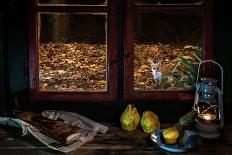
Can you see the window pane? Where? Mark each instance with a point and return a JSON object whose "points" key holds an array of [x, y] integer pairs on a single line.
{"points": [[73, 2], [169, 2], [167, 50], [72, 52]]}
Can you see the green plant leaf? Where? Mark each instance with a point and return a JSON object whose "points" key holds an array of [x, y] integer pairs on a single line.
{"points": [[183, 83], [185, 63], [191, 75], [197, 51]]}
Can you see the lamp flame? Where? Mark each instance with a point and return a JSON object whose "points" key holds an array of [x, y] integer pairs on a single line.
{"points": [[208, 117]]}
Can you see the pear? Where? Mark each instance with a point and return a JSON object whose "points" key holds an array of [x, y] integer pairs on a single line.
{"points": [[130, 118], [170, 135], [150, 122]]}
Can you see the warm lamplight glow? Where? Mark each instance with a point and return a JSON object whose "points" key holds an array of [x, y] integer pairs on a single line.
{"points": [[208, 117]]}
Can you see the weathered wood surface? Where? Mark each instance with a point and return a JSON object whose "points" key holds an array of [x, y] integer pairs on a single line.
{"points": [[115, 141]]}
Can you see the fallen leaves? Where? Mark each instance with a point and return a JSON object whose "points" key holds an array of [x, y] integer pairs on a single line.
{"points": [[178, 66], [72, 67], [82, 67]]}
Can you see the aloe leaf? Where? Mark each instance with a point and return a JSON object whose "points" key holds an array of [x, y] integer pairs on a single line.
{"points": [[183, 83], [197, 51], [197, 57], [187, 57], [191, 75], [185, 63]]}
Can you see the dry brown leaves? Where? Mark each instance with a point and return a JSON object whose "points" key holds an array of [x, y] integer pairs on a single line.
{"points": [[144, 53], [82, 67], [72, 67]]}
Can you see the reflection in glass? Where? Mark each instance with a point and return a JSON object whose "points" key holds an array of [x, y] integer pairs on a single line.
{"points": [[72, 52], [196, 2], [168, 52], [72, 2]]}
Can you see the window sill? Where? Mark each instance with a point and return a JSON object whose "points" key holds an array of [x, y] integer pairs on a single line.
{"points": [[115, 141]]}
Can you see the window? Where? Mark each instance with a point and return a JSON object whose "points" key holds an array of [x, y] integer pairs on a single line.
{"points": [[72, 44], [165, 40]]}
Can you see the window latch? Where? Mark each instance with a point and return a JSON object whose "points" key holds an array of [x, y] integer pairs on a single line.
{"points": [[127, 55]]}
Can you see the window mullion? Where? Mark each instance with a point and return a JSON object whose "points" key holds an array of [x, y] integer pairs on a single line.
{"points": [[198, 13]]}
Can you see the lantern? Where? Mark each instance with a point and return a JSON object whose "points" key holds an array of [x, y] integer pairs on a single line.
{"points": [[209, 105]]}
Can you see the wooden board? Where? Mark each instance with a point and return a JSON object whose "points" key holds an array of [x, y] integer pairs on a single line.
{"points": [[115, 141]]}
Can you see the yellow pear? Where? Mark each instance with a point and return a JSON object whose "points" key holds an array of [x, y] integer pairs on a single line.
{"points": [[170, 135], [130, 118], [150, 122]]}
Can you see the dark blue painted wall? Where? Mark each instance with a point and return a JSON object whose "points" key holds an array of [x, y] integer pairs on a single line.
{"points": [[16, 17]]}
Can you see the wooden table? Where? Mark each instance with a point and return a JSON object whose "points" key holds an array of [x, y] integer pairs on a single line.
{"points": [[115, 141]]}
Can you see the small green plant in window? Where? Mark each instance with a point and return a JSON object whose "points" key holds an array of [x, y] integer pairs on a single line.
{"points": [[179, 72]]}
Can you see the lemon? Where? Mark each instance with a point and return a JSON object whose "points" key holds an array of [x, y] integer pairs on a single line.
{"points": [[170, 135]]}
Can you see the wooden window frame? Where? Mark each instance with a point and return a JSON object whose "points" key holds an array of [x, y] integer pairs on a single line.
{"points": [[131, 9], [112, 26]]}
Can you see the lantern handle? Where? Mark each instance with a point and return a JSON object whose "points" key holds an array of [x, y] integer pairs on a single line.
{"points": [[218, 66]]}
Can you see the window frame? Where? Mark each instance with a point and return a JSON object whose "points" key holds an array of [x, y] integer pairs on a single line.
{"points": [[130, 10], [112, 28]]}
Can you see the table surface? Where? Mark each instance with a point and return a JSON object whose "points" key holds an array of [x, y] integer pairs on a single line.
{"points": [[115, 141]]}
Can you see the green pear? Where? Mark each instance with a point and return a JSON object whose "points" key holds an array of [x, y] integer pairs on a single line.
{"points": [[150, 122], [130, 118]]}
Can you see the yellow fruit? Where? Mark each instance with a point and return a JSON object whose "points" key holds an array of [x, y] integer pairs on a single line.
{"points": [[130, 118], [170, 135], [150, 122]]}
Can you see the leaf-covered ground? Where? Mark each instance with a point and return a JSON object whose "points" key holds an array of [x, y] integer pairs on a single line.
{"points": [[178, 66], [82, 67], [72, 67]]}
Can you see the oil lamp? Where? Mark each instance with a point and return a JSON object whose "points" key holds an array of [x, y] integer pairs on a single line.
{"points": [[208, 104]]}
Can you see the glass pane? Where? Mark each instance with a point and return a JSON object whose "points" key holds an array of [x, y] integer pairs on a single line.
{"points": [[167, 50], [72, 52], [197, 2], [73, 2]]}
